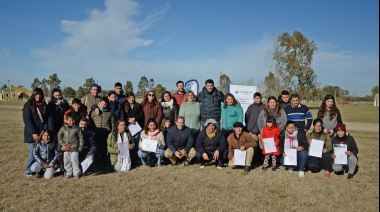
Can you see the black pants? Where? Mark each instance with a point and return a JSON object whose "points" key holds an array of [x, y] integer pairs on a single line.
{"points": [[316, 164]]}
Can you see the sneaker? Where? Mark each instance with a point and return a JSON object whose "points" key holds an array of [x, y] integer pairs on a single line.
{"points": [[68, 176], [202, 166], [290, 169], [264, 169], [28, 174], [39, 175], [247, 169], [327, 174], [219, 167], [185, 163], [301, 174], [339, 173], [350, 176], [76, 177], [273, 169]]}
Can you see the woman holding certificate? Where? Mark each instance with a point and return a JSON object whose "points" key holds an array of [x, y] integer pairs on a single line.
{"points": [[320, 143], [345, 150], [329, 114], [152, 144]]}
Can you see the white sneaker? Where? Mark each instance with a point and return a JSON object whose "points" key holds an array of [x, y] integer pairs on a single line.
{"points": [[301, 174], [290, 169], [219, 167], [202, 166]]}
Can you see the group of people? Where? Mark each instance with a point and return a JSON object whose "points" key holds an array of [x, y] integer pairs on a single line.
{"points": [[207, 126]]}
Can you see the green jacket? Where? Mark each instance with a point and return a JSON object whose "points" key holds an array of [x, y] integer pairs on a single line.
{"points": [[71, 135], [323, 137], [112, 146], [102, 123]]}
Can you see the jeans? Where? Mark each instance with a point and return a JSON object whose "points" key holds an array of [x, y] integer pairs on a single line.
{"points": [[159, 155], [49, 172], [30, 161], [302, 157]]}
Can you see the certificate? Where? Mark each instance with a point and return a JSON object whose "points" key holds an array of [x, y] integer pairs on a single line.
{"points": [[291, 157], [239, 157], [134, 128], [316, 147], [86, 163], [149, 145], [269, 145], [124, 151], [340, 153]]}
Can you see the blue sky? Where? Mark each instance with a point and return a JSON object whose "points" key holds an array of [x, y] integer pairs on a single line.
{"points": [[120, 40]]}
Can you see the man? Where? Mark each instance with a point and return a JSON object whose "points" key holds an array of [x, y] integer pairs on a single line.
{"points": [[283, 99], [120, 97], [180, 143], [251, 118], [300, 114], [179, 95], [243, 141], [89, 146], [210, 99], [92, 98], [211, 145]]}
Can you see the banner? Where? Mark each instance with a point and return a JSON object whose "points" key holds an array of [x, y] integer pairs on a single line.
{"points": [[192, 85], [243, 94]]}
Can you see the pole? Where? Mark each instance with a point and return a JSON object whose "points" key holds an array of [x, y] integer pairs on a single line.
{"points": [[9, 91]]}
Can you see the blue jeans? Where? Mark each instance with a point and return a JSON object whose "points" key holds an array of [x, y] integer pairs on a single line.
{"points": [[302, 157], [30, 161], [159, 155]]}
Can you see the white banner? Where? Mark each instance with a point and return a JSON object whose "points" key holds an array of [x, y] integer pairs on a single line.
{"points": [[243, 94]]}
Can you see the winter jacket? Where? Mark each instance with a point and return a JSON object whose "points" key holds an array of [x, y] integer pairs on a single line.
{"points": [[206, 144], [179, 98], [180, 139], [160, 137], [89, 146], [280, 120], [245, 140], [103, 123], [252, 116], [300, 115], [230, 115], [112, 146], [45, 153], [170, 110], [271, 132], [302, 141], [135, 112], [210, 104], [90, 100], [282, 104], [114, 107], [58, 110], [33, 124], [82, 113], [71, 135], [323, 137], [191, 112], [349, 141], [120, 98], [152, 111]]}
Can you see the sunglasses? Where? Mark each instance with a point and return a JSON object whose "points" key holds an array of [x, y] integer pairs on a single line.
{"points": [[150, 94]]}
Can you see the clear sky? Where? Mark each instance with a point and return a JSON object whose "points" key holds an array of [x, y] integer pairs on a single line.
{"points": [[120, 40]]}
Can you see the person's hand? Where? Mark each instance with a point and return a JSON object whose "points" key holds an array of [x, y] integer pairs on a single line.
{"points": [[129, 147], [348, 153], [333, 156], [140, 148], [131, 120], [205, 156], [283, 154], [331, 132], [178, 154], [216, 155], [324, 150], [184, 153], [66, 147], [51, 165], [159, 143], [242, 148], [35, 137], [117, 151], [309, 141], [300, 148], [89, 156], [97, 111], [326, 131], [276, 144], [46, 165]]}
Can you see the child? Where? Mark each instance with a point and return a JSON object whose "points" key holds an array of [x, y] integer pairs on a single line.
{"points": [[77, 110], [70, 141], [291, 139], [44, 154], [270, 131], [165, 125]]}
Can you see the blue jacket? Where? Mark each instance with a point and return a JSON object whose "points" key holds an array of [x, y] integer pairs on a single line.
{"points": [[210, 104], [89, 146], [179, 139], [33, 124], [45, 153], [230, 115]]}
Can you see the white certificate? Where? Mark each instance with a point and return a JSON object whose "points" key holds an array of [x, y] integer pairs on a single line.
{"points": [[134, 128], [316, 147], [239, 157], [340, 153], [124, 151], [86, 163], [291, 157], [269, 145], [149, 145]]}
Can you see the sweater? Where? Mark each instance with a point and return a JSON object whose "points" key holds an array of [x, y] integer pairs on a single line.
{"points": [[230, 115], [252, 116], [179, 98], [300, 115], [160, 137], [245, 140], [330, 124], [280, 120], [191, 112]]}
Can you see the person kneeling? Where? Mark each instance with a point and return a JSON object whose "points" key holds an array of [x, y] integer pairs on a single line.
{"points": [[151, 132], [45, 153]]}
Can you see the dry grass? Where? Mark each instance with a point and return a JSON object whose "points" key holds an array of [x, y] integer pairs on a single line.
{"points": [[176, 188]]}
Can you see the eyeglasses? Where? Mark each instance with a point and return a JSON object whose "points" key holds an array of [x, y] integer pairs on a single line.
{"points": [[150, 94]]}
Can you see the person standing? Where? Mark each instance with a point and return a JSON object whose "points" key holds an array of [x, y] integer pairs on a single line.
{"points": [[92, 98], [283, 99], [329, 114], [152, 108], [190, 110], [210, 99], [231, 112], [179, 95], [170, 108], [118, 88], [57, 106], [272, 109], [300, 114]]}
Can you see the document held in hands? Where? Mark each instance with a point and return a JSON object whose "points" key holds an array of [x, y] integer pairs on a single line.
{"points": [[269, 145], [86, 163], [124, 151], [134, 128], [149, 145], [239, 157], [340, 153], [291, 157], [316, 147]]}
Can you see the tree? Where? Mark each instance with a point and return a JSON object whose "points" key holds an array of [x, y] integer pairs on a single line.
{"points": [[224, 81], [271, 85], [158, 90], [375, 90], [87, 84], [292, 58], [141, 87], [334, 90], [4, 87], [44, 87], [69, 92], [36, 84], [150, 84], [54, 81], [128, 87], [80, 92]]}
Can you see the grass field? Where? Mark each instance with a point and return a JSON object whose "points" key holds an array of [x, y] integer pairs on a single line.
{"points": [[169, 188]]}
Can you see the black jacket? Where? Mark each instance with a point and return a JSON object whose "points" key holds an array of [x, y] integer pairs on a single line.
{"points": [[33, 123], [210, 104], [205, 144], [179, 139]]}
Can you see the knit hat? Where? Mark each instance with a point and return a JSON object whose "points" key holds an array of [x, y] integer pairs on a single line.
{"points": [[341, 126], [238, 124], [210, 121]]}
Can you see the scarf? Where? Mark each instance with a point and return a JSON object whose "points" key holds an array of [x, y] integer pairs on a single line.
{"points": [[38, 104], [167, 104], [125, 162], [291, 140], [211, 134], [153, 135]]}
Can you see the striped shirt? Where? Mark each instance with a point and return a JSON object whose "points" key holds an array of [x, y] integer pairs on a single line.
{"points": [[301, 116]]}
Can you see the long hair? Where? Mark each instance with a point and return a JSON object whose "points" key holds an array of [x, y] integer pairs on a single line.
{"points": [[146, 127], [267, 109], [116, 130], [166, 92], [187, 95], [162, 127], [40, 137], [55, 90], [234, 102], [126, 103], [323, 109], [146, 101], [32, 102]]}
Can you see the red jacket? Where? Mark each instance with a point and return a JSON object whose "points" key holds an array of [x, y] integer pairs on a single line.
{"points": [[272, 132]]}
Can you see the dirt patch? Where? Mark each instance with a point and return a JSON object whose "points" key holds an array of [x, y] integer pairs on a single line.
{"points": [[363, 127]]}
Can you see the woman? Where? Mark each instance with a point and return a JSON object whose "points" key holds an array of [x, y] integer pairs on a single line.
{"points": [[329, 114], [152, 132], [36, 117], [315, 164], [272, 109], [190, 110], [170, 108], [231, 112], [115, 138], [151, 107]]}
